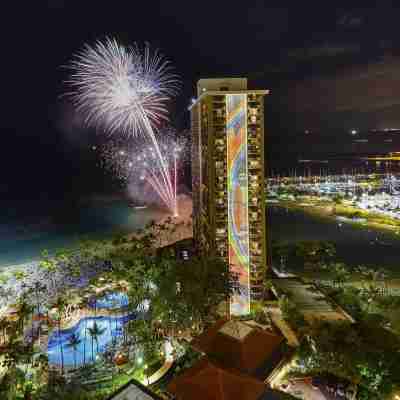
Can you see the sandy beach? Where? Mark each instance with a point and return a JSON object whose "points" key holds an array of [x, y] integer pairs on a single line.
{"points": [[16, 276]]}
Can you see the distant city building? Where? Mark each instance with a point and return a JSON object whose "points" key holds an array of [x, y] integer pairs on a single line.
{"points": [[228, 181]]}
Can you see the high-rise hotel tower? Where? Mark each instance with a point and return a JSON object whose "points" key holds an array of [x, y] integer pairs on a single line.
{"points": [[228, 181]]}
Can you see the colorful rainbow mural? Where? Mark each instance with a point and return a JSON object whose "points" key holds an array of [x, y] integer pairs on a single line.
{"points": [[238, 220]]}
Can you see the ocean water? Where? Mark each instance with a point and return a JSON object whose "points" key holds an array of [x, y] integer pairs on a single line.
{"points": [[354, 246], [23, 237]]}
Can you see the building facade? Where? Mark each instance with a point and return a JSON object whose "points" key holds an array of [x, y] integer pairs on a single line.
{"points": [[228, 181]]}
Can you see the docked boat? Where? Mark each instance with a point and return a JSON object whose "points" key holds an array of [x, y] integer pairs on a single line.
{"points": [[136, 206]]}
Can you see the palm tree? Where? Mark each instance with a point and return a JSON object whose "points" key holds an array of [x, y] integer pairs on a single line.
{"points": [[60, 306], [42, 364], [38, 287], [95, 331], [4, 324], [23, 312], [13, 355], [73, 342], [85, 303]]}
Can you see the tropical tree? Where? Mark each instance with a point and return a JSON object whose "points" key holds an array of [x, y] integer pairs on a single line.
{"points": [[4, 325], [95, 331], [144, 336], [24, 311], [42, 366], [12, 356], [73, 342], [49, 265], [337, 199], [85, 303], [361, 353], [60, 307], [313, 254]]}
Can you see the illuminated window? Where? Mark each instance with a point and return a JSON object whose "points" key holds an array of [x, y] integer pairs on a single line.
{"points": [[254, 163]]}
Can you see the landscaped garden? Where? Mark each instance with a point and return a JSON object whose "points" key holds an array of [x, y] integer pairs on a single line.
{"points": [[364, 352], [96, 318]]}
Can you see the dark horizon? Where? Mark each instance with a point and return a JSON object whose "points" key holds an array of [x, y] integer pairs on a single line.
{"points": [[46, 149]]}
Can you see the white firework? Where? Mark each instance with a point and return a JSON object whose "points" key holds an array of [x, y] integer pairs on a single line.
{"points": [[122, 89], [125, 90]]}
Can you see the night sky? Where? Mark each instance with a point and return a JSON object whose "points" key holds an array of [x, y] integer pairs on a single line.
{"points": [[330, 68]]}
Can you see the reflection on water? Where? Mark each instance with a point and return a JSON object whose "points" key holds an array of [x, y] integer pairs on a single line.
{"points": [[109, 330], [23, 242], [355, 246]]}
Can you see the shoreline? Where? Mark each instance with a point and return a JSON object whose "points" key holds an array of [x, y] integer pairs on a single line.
{"points": [[326, 213], [160, 216], [13, 277]]}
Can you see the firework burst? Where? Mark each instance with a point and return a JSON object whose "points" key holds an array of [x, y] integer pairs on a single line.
{"points": [[122, 89], [138, 163]]}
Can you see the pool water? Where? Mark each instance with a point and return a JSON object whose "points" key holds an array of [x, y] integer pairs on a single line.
{"points": [[110, 301], [111, 330]]}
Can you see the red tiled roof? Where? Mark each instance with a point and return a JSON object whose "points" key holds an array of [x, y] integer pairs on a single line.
{"points": [[243, 355], [206, 381]]}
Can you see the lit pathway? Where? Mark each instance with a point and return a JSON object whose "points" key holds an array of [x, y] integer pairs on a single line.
{"points": [[169, 360], [134, 392], [312, 303], [303, 391], [159, 374], [276, 317]]}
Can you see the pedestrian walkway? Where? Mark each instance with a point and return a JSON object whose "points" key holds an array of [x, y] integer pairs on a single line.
{"points": [[311, 302], [137, 390]]}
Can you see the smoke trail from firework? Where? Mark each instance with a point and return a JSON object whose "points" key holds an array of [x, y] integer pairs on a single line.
{"points": [[125, 90], [139, 163]]}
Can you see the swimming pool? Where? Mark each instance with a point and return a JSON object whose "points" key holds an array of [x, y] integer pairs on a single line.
{"points": [[110, 300], [110, 328]]}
